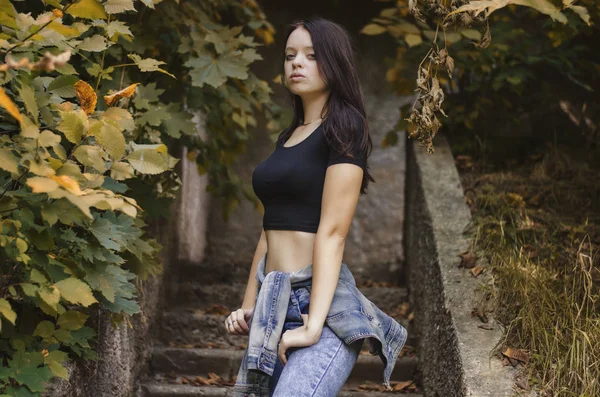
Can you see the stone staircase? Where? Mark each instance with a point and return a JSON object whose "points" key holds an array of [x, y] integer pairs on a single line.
{"points": [[195, 356]]}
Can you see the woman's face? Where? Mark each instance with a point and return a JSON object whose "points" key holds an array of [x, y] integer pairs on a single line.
{"points": [[302, 76]]}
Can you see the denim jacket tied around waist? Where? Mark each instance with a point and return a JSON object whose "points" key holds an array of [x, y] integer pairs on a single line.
{"points": [[351, 317]]}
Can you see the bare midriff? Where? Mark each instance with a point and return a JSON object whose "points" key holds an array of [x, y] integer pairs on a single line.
{"points": [[289, 250]]}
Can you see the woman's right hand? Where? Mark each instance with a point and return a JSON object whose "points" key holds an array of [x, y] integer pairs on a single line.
{"points": [[237, 323]]}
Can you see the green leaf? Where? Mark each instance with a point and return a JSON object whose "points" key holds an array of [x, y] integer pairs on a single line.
{"points": [[63, 335], [66, 69], [123, 305], [8, 8], [121, 116], [56, 355], [7, 20], [37, 277], [58, 369], [109, 135], [27, 94], [72, 320], [8, 161], [111, 235], [48, 138], [120, 171], [88, 9], [26, 371], [91, 156], [208, 70], [178, 123], [83, 335], [29, 289], [148, 161], [146, 94], [148, 64], [118, 6], [63, 86], [73, 125], [29, 129], [55, 3], [50, 295], [45, 329], [42, 240], [95, 43], [7, 311], [76, 291], [112, 281], [118, 27], [471, 34], [154, 116]]}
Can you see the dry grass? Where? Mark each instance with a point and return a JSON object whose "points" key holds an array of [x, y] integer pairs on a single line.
{"points": [[538, 225]]}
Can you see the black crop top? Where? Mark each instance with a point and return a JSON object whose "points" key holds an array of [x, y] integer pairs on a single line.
{"points": [[290, 182]]}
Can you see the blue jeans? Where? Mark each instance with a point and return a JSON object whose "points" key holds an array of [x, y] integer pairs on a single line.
{"points": [[319, 370]]}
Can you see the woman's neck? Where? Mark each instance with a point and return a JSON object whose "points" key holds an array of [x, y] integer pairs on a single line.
{"points": [[313, 107]]}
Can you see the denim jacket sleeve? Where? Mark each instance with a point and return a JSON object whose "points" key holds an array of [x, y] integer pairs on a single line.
{"points": [[351, 317]]}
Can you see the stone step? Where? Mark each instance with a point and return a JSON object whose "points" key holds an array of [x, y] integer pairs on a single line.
{"points": [[225, 363], [156, 389], [231, 295], [194, 328], [210, 273]]}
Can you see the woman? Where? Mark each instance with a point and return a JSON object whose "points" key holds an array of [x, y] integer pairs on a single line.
{"points": [[308, 319]]}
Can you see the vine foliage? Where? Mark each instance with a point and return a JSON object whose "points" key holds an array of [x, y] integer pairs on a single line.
{"points": [[94, 109]]}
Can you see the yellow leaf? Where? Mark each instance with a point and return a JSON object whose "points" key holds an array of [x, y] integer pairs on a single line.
{"points": [[124, 93], [9, 105], [50, 295], [58, 369], [7, 311], [391, 75], [87, 96], [40, 184], [75, 200], [8, 161], [129, 210], [68, 183], [66, 31], [413, 39], [266, 35], [373, 29], [76, 291], [89, 9]]}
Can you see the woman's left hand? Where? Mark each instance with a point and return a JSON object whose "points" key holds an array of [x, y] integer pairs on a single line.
{"points": [[298, 337]]}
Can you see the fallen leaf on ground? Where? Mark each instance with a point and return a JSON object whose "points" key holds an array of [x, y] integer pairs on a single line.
{"points": [[217, 309], [477, 270], [517, 354], [467, 259], [398, 386], [523, 384]]}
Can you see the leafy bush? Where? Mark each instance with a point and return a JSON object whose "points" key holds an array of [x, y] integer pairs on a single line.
{"points": [[503, 67], [78, 175]]}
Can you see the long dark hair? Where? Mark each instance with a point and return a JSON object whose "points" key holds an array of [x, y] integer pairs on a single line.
{"points": [[345, 126]]}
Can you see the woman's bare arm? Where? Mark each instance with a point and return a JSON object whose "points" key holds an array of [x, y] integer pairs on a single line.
{"points": [[340, 197], [250, 295]]}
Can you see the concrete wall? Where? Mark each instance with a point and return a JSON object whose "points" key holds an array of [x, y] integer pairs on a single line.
{"points": [[374, 245], [453, 351]]}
